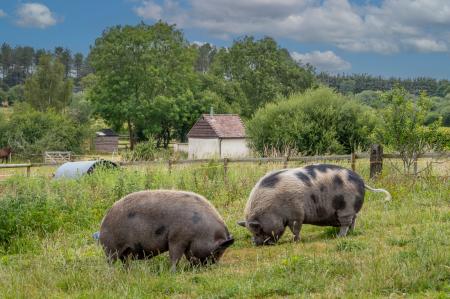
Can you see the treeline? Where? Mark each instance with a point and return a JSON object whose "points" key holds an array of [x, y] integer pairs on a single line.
{"points": [[356, 83], [20, 62]]}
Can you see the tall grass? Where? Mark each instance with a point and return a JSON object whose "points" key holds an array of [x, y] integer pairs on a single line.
{"points": [[398, 249]]}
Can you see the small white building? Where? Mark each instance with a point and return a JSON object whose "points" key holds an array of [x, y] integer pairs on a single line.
{"points": [[218, 136]]}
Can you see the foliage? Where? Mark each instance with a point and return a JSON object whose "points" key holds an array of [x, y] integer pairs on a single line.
{"points": [[47, 88], [80, 109], [403, 127], [3, 96], [357, 83], [143, 151], [263, 70], [32, 132], [228, 96], [3, 128], [440, 109], [16, 94], [316, 122], [140, 72], [370, 98], [205, 57]]}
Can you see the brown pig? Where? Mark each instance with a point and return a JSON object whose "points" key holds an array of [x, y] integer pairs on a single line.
{"points": [[147, 223]]}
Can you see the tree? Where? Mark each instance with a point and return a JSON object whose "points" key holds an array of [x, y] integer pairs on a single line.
{"points": [[263, 70], [403, 128], [78, 60], [6, 58], [136, 69], [65, 57], [48, 88], [314, 122], [80, 109], [206, 53]]}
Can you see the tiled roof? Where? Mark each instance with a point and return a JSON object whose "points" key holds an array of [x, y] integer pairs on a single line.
{"points": [[218, 126]]}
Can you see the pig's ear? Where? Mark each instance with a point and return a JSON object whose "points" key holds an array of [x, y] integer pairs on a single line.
{"points": [[226, 243], [254, 224], [241, 223]]}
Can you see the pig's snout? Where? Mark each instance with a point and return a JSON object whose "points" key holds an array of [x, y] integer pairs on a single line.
{"points": [[258, 241]]}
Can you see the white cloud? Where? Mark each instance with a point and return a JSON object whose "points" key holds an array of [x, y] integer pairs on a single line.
{"points": [[2, 13], [426, 45], [323, 61], [389, 27], [149, 10], [198, 43], [35, 15]]}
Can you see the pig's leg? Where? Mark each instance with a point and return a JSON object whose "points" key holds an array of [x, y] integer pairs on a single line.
{"points": [[352, 225], [295, 227], [345, 222], [176, 251], [343, 231], [126, 257]]}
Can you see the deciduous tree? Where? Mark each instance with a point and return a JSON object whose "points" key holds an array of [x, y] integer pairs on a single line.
{"points": [[138, 70], [48, 88]]}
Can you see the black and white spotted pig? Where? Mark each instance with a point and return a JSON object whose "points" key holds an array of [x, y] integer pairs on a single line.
{"points": [[320, 194], [147, 223]]}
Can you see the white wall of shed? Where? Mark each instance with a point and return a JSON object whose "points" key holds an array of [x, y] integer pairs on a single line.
{"points": [[203, 148], [234, 148]]}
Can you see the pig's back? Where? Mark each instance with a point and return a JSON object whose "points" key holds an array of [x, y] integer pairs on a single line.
{"points": [[318, 189], [153, 213]]}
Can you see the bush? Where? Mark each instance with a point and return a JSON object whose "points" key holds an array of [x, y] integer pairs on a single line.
{"points": [[32, 132], [315, 122], [143, 151]]}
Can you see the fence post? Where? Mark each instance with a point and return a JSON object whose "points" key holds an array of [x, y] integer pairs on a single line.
{"points": [[376, 160], [353, 160], [169, 164], [285, 162], [29, 169], [225, 169]]}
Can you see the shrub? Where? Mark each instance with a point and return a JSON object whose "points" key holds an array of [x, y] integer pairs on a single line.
{"points": [[143, 151], [315, 122], [32, 132]]}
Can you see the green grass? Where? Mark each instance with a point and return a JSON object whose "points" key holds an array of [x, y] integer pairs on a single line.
{"points": [[399, 249]]}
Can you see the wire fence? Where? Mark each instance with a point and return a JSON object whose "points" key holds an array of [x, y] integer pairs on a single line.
{"points": [[428, 161]]}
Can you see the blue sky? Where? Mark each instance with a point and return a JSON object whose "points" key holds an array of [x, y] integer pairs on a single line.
{"points": [[406, 38]]}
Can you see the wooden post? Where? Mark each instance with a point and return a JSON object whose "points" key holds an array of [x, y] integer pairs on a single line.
{"points": [[225, 166], [285, 162], [376, 160], [353, 157], [170, 165], [29, 169], [225, 169]]}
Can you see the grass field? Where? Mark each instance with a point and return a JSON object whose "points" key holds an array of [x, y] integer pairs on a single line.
{"points": [[399, 249]]}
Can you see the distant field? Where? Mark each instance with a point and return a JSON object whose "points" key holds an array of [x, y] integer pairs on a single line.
{"points": [[399, 249]]}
